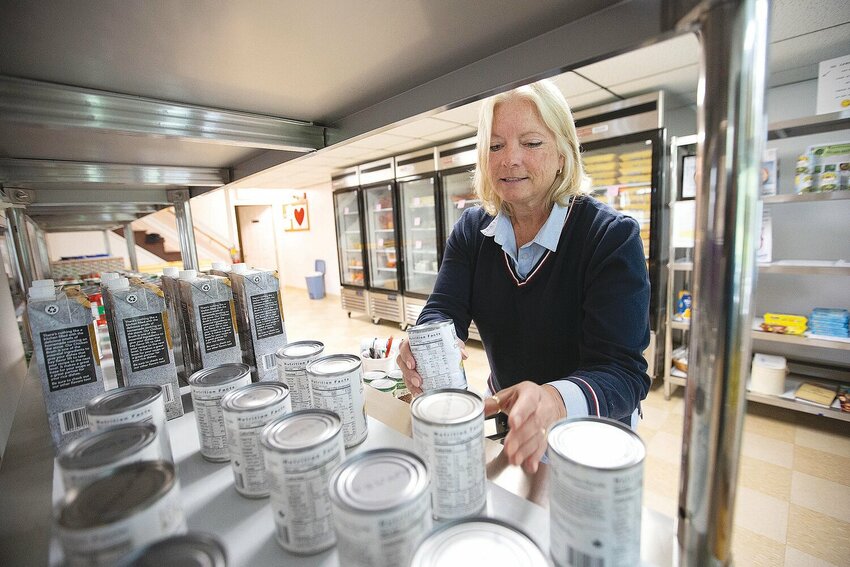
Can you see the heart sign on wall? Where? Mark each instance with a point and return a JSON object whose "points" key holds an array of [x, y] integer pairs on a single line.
{"points": [[296, 216]]}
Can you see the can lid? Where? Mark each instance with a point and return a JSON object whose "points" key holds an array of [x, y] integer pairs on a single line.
{"points": [[122, 399], [189, 550], [378, 480], [395, 374], [171, 272], [384, 384], [106, 446], [221, 374], [301, 429], [598, 443], [371, 375], [254, 396], [188, 274], [128, 489], [447, 406], [484, 541], [300, 349], [334, 364]]}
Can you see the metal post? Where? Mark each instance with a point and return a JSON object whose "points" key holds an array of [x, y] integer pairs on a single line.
{"points": [[731, 127], [43, 252], [23, 249], [106, 245], [185, 228], [130, 237]]}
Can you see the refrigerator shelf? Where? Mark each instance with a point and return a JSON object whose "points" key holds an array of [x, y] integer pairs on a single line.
{"points": [[386, 269], [384, 230], [425, 272], [382, 210]]}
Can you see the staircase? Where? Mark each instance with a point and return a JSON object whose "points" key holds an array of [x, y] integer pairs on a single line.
{"points": [[153, 243]]}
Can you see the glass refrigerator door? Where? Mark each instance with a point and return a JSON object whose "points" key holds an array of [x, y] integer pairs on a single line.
{"points": [[621, 176], [350, 242], [380, 237], [419, 221], [458, 195]]}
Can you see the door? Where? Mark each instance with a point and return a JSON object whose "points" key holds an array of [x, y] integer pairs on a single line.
{"points": [[420, 229], [257, 239], [352, 265], [458, 195], [381, 243]]}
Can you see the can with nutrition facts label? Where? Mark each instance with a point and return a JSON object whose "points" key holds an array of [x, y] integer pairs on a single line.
{"points": [[438, 356], [337, 385]]}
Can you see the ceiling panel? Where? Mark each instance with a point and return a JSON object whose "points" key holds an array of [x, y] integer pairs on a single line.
{"points": [[422, 127], [466, 114], [791, 18], [452, 134], [573, 85], [803, 53], [589, 100], [381, 141], [681, 82]]}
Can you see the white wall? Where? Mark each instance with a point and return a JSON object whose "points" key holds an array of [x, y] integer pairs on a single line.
{"points": [[61, 244]]}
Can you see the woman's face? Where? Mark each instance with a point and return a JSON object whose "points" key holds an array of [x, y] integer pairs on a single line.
{"points": [[524, 158]]}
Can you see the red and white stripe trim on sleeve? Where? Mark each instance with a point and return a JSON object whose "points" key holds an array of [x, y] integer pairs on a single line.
{"points": [[595, 399]]}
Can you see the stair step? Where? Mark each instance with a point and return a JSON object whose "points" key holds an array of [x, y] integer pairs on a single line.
{"points": [[155, 248]]}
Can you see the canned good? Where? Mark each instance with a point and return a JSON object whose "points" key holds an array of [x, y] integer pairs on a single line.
{"points": [[209, 385], [292, 361], [137, 504], [448, 431], [595, 492], [192, 549], [491, 542], [131, 404], [438, 357], [337, 386], [246, 412], [97, 454], [381, 507], [301, 450], [384, 385], [373, 375]]}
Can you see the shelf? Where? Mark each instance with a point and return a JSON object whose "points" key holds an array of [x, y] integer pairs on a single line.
{"points": [[382, 210], [807, 268], [681, 325], [682, 266], [355, 267], [807, 197], [799, 340], [352, 232], [423, 250], [386, 250], [424, 272], [353, 251], [421, 206], [384, 230], [386, 269], [350, 214], [829, 122], [423, 228]]}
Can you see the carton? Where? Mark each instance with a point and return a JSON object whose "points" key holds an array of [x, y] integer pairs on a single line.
{"points": [[65, 345], [169, 283], [211, 336], [259, 313], [144, 349]]}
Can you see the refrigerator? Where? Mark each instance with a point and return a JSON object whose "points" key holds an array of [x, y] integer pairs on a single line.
{"points": [[384, 262], [351, 249], [456, 166], [421, 229], [624, 153]]}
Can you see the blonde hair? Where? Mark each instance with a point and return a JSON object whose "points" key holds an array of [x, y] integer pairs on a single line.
{"points": [[557, 116]]}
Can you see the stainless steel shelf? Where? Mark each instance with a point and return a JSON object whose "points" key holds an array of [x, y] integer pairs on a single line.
{"points": [[807, 197], [804, 268], [809, 125], [681, 325], [799, 340]]}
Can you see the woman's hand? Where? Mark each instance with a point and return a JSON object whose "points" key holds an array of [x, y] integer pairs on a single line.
{"points": [[407, 364], [531, 410]]}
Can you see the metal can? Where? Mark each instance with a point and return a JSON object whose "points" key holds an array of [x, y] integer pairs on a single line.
{"points": [[292, 361], [209, 385], [595, 492], [438, 357], [492, 542], [448, 431], [381, 507], [137, 504], [131, 404], [337, 385], [97, 454], [200, 550], [384, 385], [301, 450], [246, 412]]}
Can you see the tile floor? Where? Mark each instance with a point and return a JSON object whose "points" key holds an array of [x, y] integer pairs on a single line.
{"points": [[793, 496]]}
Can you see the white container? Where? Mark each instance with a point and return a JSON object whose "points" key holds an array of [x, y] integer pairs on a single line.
{"points": [[438, 356], [246, 412], [292, 361], [209, 386], [137, 504], [381, 507], [337, 385], [448, 431], [768, 374], [301, 450], [596, 484]]}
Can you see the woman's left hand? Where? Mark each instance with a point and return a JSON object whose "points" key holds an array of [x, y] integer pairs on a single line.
{"points": [[531, 409]]}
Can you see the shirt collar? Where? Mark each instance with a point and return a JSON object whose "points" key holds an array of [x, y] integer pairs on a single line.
{"points": [[502, 231]]}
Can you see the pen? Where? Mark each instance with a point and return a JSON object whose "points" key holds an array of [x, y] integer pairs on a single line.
{"points": [[389, 344]]}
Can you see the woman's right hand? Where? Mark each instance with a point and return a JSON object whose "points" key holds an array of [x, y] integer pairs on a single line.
{"points": [[407, 364]]}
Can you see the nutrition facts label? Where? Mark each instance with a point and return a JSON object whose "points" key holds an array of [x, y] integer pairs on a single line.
{"points": [[343, 395], [438, 357], [211, 426], [68, 358]]}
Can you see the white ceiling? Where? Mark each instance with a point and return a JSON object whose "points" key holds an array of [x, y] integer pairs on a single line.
{"points": [[324, 62]]}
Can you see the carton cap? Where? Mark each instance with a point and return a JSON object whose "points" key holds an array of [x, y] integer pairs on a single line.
{"points": [[188, 274], [170, 271], [106, 276], [120, 283], [42, 292], [240, 268], [42, 283], [220, 266]]}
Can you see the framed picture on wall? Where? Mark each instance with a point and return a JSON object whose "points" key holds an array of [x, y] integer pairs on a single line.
{"points": [[689, 183], [296, 215]]}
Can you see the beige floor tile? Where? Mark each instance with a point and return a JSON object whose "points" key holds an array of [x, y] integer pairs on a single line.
{"points": [[666, 447], [674, 425], [653, 418], [796, 558], [824, 465], [646, 435], [756, 550], [818, 535], [762, 514], [819, 494], [767, 449], [769, 427], [765, 477], [825, 440], [661, 478]]}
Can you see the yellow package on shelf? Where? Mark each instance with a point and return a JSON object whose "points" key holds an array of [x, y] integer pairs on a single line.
{"points": [[784, 323], [640, 154], [600, 158], [607, 166]]}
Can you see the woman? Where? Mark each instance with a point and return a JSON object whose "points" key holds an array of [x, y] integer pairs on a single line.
{"points": [[555, 281]]}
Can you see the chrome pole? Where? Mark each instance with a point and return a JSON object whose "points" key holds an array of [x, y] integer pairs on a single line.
{"points": [[23, 247], [185, 228], [731, 136], [130, 238]]}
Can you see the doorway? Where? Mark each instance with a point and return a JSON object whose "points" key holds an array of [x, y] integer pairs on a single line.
{"points": [[257, 239]]}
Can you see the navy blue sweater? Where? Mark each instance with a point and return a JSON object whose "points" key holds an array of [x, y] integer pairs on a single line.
{"points": [[582, 314]]}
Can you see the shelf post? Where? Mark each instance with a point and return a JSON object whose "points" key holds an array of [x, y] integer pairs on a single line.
{"points": [[130, 238], [185, 229], [22, 256], [731, 136]]}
